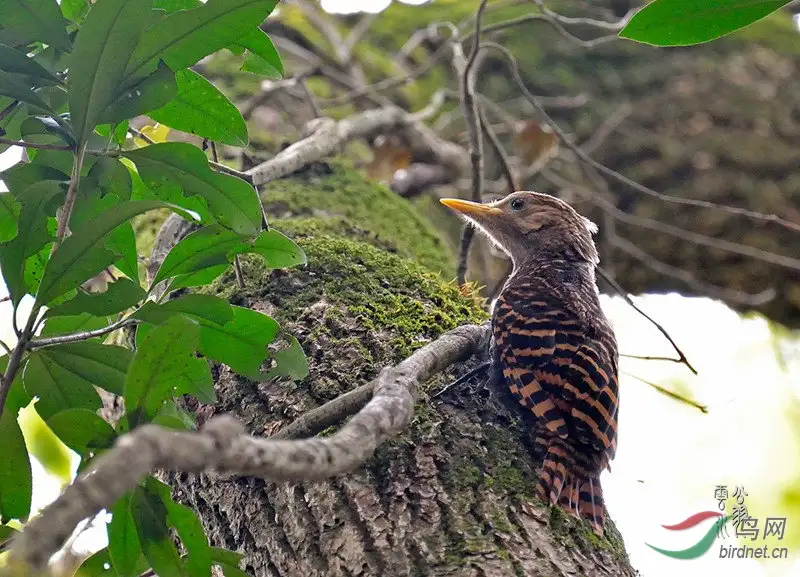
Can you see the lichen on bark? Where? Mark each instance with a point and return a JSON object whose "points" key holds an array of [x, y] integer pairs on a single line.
{"points": [[453, 495]]}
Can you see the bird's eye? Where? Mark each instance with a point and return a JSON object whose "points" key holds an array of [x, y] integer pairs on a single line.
{"points": [[517, 204]]}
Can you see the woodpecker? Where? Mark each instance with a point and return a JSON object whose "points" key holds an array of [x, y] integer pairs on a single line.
{"points": [[552, 344]]}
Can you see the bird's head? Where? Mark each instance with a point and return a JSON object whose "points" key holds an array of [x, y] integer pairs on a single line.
{"points": [[530, 224]]}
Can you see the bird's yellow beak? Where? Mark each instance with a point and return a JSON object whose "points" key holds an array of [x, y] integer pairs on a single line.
{"points": [[468, 207]]}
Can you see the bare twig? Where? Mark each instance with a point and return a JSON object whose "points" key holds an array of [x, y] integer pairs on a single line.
{"points": [[359, 30], [223, 446], [623, 293], [268, 88], [672, 394], [514, 68], [311, 99], [466, 72], [331, 413], [81, 336], [325, 136], [651, 358], [698, 286], [15, 358], [499, 152]]}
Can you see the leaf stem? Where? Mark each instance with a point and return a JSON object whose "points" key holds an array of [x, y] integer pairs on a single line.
{"points": [[72, 193], [24, 144]]}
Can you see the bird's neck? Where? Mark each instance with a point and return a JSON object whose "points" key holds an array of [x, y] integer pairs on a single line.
{"points": [[558, 269]]}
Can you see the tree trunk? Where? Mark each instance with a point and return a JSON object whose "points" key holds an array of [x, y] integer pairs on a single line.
{"points": [[451, 496]]}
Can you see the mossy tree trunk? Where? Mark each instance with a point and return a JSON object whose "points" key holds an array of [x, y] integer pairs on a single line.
{"points": [[451, 496]]}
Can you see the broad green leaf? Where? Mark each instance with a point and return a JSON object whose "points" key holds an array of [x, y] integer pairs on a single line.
{"points": [[21, 176], [17, 397], [72, 324], [56, 387], [119, 135], [189, 529], [147, 96], [160, 361], [261, 57], [9, 212], [150, 517], [12, 60], [52, 454], [118, 297], [172, 417], [213, 246], [241, 343], [16, 484], [232, 335], [228, 561], [207, 247], [14, 88], [200, 278], [183, 38], [278, 250], [11, 123], [36, 20], [44, 130], [7, 532], [290, 362], [687, 22], [35, 265], [103, 47], [100, 565], [74, 10], [124, 549], [200, 109], [37, 204], [82, 430], [84, 254], [102, 365], [232, 201], [198, 306]]}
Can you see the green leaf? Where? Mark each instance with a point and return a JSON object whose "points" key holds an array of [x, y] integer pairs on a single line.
{"points": [[102, 365], [44, 130], [119, 135], [82, 430], [74, 10], [232, 201], [200, 278], [213, 246], [14, 88], [124, 549], [16, 484], [172, 417], [228, 561], [84, 254], [12, 60], [103, 47], [37, 204], [100, 565], [9, 212], [290, 362], [148, 95], [183, 38], [10, 125], [72, 324], [232, 335], [150, 517], [278, 250], [189, 529], [56, 387], [36, 20], [198, 306], [200, 109], [261, 57], [44, 446], [687, 22], [241, 343], [161, 361], [204, 248], [21, 176], [118, 297]]}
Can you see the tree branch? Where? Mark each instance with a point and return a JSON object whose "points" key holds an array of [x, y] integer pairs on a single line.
{"points": [[81, 336], [222, 446]]}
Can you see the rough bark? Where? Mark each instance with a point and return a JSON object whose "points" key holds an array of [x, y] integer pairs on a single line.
{"points": [[452, 496]]}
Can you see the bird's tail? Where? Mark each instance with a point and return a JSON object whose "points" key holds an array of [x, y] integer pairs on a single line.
{"points": [[570, 485]]}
